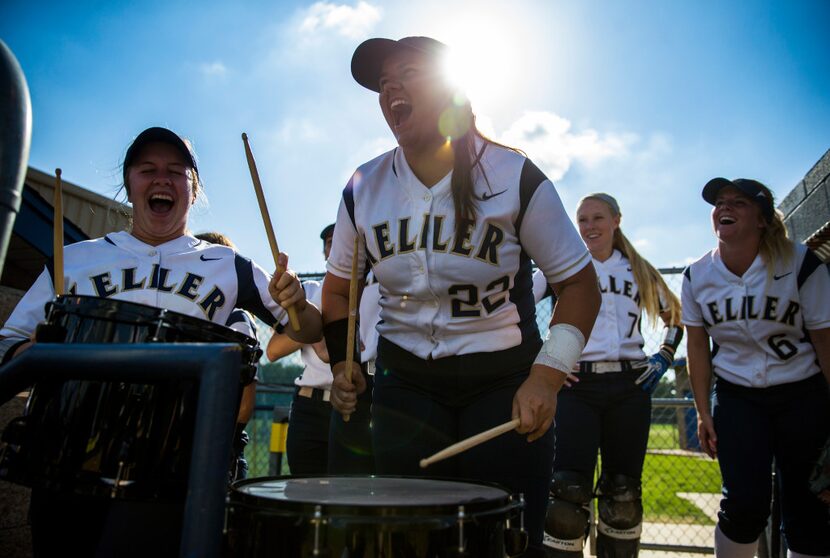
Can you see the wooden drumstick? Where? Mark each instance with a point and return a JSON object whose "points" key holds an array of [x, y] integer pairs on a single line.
{"points": [[352, 318], [266, 219], [57, 234], [470, 442]]}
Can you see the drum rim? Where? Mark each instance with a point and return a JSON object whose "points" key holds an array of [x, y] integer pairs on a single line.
{"points": [[77, 300], [504, 503]]}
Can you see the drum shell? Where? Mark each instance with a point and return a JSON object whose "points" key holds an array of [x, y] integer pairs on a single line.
{"points": [[114, 438], [260, 527]]}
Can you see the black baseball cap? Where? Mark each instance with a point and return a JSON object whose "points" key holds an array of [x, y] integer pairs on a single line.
{"points": [[369, 56], [158, 135], [753, 189], [327, 232]]}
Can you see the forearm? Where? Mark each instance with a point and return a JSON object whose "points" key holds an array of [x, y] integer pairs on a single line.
{"points": [[578, 301], [246, 406], [821, 341], [311, 325], [335, 316], [281, 345], [699, 365]]}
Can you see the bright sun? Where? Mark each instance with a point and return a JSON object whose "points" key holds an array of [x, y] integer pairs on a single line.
{"points": [[484, 62]]}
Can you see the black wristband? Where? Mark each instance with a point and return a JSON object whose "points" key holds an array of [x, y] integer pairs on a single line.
{"points": [[336, 334], [674, 335]]}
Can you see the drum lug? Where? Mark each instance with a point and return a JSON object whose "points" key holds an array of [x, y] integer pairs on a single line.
{"points": [[159, 325], [461, 517], [516, 539], [317, 522]]}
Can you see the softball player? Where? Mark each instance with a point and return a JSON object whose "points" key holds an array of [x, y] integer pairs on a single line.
{"points": [[762, 300], [450, 227], [157, 263], [609, 408]]}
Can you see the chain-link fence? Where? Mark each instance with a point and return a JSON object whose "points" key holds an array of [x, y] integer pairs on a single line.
{"points": [[681, 485]]}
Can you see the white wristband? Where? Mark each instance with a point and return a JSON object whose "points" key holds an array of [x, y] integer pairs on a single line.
{"points": [[562, 348]]}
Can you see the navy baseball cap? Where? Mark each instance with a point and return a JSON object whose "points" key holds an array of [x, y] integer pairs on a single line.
{"points": [[158, 135], [752, 189], [369, 56], [327, 232]]}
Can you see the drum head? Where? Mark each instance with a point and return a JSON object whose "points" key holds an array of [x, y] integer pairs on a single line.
{"points": [[366, 496]]}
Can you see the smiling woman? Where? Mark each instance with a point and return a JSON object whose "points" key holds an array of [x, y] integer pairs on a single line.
{"points": [[450, 221], [157, 264]]}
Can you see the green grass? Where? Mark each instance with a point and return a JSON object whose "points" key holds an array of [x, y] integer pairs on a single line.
{"points": [[666, 475], [663, 436]]}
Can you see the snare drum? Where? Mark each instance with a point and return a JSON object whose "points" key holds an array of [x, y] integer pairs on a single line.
{"points": [[372, 517], [113, 438]]}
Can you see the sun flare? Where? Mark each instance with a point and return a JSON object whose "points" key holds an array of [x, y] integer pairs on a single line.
{"points": [[484, 62]]}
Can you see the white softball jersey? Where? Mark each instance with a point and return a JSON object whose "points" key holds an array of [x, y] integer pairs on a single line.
{"points": [[442, 293], [617, 334], [185, 275], [758, 324], [316, 373]]}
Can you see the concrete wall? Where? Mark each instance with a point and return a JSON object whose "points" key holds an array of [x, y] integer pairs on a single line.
{"points": [[807, 208]]}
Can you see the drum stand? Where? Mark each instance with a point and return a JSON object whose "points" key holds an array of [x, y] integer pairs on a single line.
{"points": [[215, 367]]}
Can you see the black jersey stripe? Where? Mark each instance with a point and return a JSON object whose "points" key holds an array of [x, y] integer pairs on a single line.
{"points": [[348, 199], [521, 295], [687, 273], [810, 263], [530, 180], [240, 316], [247, 293], [107, 238]]}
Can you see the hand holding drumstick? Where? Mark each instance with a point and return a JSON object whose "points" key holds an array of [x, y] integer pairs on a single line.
{"points": [[269, 230]]}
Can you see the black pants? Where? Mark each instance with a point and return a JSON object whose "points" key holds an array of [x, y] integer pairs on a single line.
{"points": [[788, 422], [72, 525], [605, 412], [307, 441], [350, 443], [420, 407]]}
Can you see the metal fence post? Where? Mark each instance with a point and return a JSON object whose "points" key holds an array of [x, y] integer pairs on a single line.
{"points": [[279, 432]]}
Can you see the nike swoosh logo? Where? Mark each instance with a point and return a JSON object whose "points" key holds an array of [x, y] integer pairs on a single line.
{"points": [[487, 196], [204, 259], [777, 277]]}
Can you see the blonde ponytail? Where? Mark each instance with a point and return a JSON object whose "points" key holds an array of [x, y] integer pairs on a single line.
{"points": [[649, 282]]}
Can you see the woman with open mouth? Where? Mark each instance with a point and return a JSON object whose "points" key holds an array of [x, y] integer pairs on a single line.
{"points": [[160, 264], [449, 221], [762, 300]]}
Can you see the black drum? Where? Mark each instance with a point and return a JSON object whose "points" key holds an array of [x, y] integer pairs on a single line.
{"points": [[372, 517], [112, 438]]}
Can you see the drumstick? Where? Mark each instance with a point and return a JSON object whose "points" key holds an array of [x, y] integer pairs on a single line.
{"points": [[470, 442], [57, 234], [352, 318], [266, 219]]}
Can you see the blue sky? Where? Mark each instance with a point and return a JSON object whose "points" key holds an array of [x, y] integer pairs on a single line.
{"points": [[646, 100]]}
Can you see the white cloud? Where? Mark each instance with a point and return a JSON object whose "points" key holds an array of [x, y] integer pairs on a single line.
{"points": [[302, 129], [213, 69], [547, 138], [350, 21]]}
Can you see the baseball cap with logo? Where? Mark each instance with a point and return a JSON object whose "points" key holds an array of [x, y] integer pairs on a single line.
{"points": [[157, 134], [752, 189], [368, 57]]}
